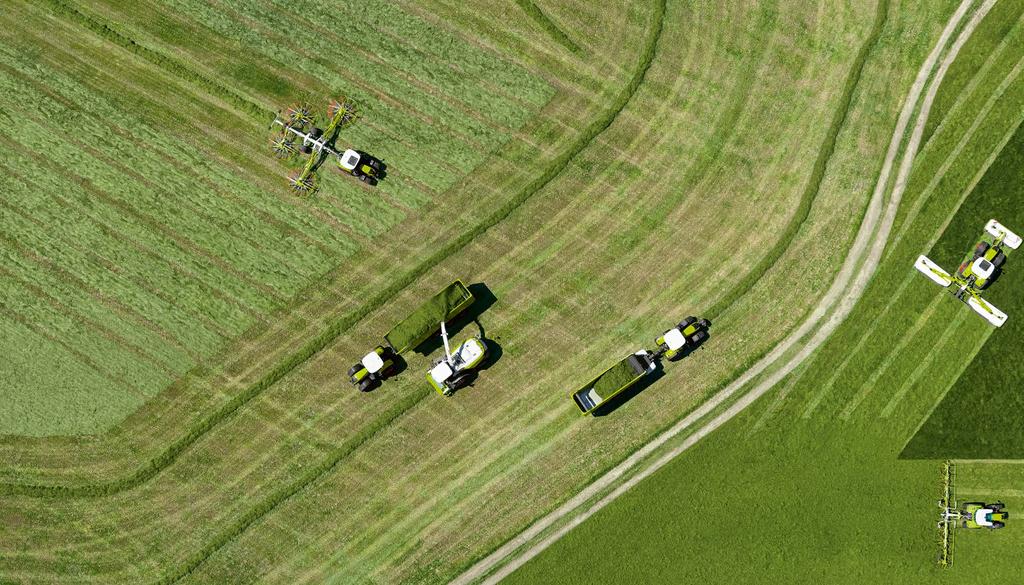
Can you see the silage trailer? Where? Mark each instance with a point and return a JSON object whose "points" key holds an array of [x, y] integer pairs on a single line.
{"points": [[614, 380], [409, 333]]}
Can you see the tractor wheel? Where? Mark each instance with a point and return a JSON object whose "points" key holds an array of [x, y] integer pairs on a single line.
{"points": [[366, 385], [352, 371], [999, 260], [997, 506], [375, 164], [980, 249], [704, 323], [459, 380], [687, 322]]}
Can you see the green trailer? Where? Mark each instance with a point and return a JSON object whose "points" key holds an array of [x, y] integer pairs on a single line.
{"points": [[426, 320], [614, 380], [409, 333]]}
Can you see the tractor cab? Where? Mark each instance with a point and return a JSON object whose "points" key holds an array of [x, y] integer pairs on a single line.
{"points": [[349, 160], [372, 369], [453, 370], [683, 338], [364, 167], [981, 515]]}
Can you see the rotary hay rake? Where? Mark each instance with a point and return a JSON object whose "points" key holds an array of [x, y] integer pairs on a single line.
{"points": [[301, 136]]}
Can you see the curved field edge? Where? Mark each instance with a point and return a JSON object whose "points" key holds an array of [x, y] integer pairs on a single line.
{"points": [[723, 411], [240, 525], [731, 469], [335, 329]]}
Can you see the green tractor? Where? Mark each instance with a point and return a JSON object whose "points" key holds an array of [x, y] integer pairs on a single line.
{"points": [[371, 371], [362, 166], [454, 370], [683, 338], [979, 269], [982, 515]]}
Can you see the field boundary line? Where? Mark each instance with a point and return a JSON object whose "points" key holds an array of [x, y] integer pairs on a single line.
{"points": [[864, 245]]}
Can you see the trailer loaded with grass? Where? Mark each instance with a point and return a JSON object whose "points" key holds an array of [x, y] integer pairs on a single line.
{"points": [[409, 333], [675, 343]]}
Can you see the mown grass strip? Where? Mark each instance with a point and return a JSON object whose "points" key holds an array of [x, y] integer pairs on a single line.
{"points": [[258, 113], [152, 467], [747, 283], [538, 16], [817, 174]]}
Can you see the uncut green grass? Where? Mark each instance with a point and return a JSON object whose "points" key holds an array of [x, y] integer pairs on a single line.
{"points": [[982, 416]]}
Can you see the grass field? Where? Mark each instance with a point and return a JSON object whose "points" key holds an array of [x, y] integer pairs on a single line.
{"points": [[808, 485], [601, 186]]}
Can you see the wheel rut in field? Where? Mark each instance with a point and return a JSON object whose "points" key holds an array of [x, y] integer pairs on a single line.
{"points": [[837, 303], [152, 467]]}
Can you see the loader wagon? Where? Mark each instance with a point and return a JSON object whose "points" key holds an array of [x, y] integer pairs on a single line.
{"points": [[426, 320], [614, 380]]}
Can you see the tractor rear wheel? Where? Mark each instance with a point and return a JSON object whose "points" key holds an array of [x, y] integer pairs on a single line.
{"points": [[366, 385], [999, 260], [980, 250], [687, 322], [459, 380], [352, 371]]}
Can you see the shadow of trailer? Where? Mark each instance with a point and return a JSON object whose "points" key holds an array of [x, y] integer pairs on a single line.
{"points": [[614, 380]]}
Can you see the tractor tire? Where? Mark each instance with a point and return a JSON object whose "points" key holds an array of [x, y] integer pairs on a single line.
{"points": [[980, 249], [352, 371], [687, 322], [316, 133], [999, 260], [366, 385], [459, 380], [704, 323], [375, 165]]}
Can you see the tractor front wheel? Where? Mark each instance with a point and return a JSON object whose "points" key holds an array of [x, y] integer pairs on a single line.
{"points": [[352, 371], [980, 250]]}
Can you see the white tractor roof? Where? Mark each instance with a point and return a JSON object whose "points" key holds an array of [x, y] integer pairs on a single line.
{"points": [[982, 268], [348, 159], [441, 372], [372, 362], [980, 517], [675, 339]]}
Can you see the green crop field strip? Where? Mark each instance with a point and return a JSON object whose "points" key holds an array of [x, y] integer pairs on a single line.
{"points": [[602, 170]]}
